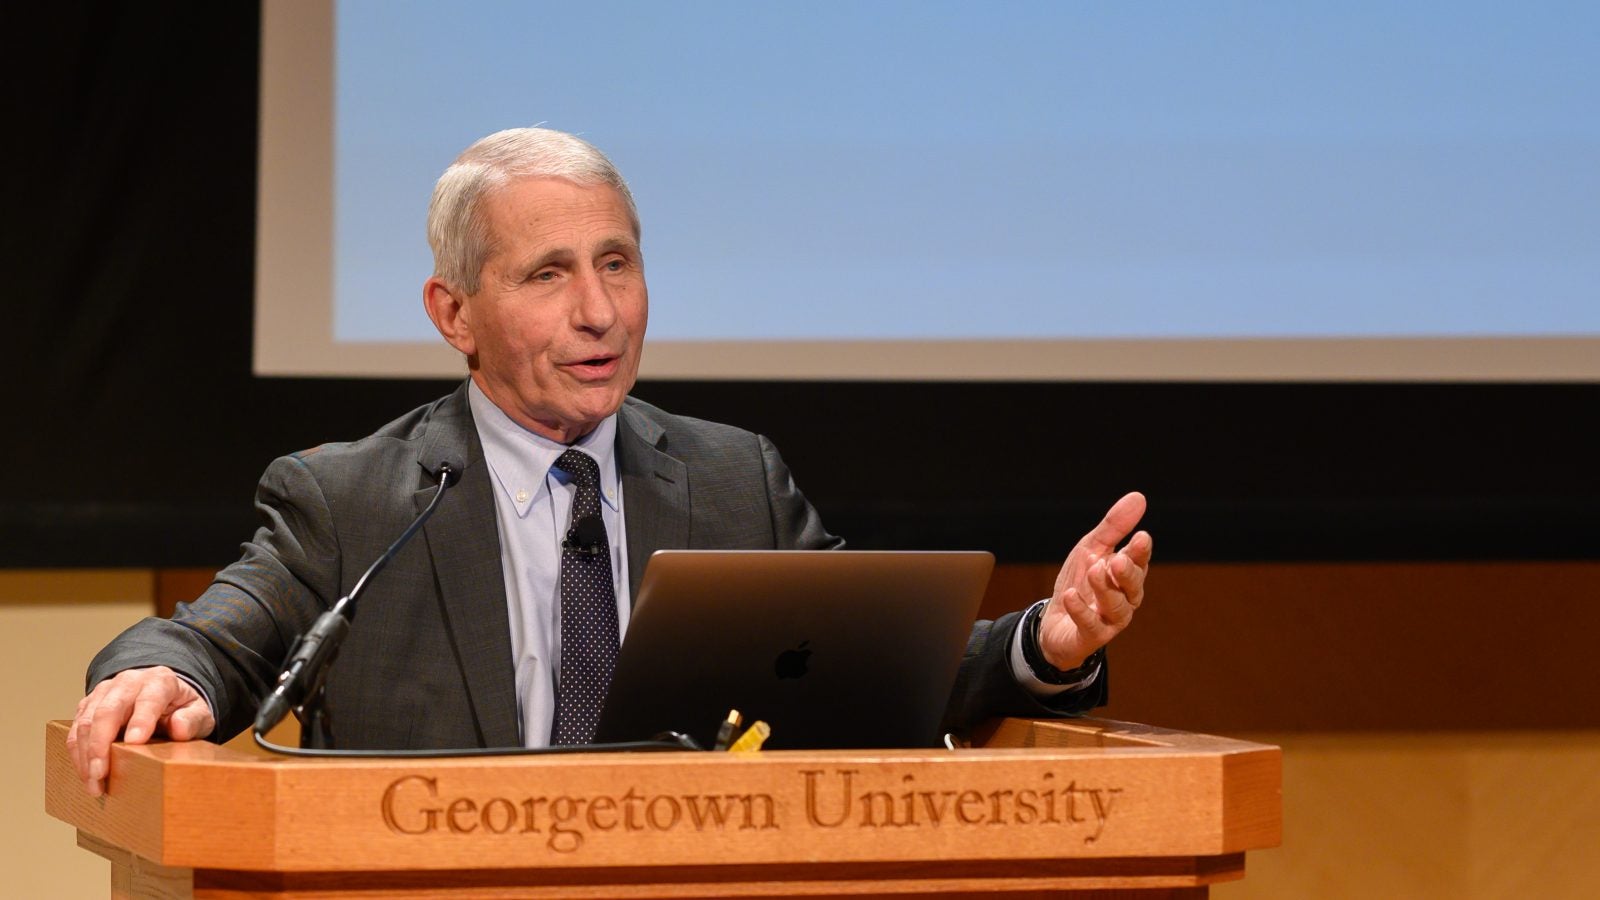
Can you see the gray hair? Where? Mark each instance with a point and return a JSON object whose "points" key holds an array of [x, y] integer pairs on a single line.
{"points": [[458, 229]]}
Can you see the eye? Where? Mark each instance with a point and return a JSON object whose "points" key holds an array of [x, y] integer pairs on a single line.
{"points": [[544, 276]]}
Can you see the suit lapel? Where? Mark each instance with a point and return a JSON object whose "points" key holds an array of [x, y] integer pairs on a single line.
{"points": [[464, 542], [655, 493]]}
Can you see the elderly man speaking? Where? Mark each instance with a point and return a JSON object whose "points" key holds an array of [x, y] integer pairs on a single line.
{"points": [[492, 633]]}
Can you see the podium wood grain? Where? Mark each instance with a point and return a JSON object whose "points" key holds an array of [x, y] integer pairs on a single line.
{"points": [[1037, 808]]}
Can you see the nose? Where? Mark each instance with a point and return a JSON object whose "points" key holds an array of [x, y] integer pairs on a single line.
{"points": [[595, 310]]}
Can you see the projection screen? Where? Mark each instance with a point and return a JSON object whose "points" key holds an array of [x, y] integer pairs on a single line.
{"points": [[933, 190]]}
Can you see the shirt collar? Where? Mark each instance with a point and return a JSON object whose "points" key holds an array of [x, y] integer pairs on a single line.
{"points": [[520, 459]]}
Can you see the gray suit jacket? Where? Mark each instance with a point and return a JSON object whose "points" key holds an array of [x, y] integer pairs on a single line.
{"points": [[428, 662]]}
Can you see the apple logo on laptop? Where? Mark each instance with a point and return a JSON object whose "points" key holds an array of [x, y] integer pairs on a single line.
{"points": [[792, 663]]}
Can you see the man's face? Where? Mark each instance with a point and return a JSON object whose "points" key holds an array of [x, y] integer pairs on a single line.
{"points": [[554, 333]]}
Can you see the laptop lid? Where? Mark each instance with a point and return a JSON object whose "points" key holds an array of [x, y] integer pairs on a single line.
{"points": [[831, 648]]}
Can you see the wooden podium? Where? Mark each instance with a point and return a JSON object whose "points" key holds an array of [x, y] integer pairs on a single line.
{"points": [[1107, 808]]}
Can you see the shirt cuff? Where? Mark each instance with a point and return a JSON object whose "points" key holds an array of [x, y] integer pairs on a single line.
{"points": [[1023, 673]]}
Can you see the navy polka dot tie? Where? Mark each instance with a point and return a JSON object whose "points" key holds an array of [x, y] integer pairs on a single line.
{"points": [[588, 609]]}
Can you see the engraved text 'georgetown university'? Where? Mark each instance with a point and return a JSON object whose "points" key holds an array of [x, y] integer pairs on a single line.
{"points": [[830, 799]]}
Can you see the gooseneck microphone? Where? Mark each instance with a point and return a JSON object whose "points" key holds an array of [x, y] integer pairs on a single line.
{"points": [[299, 685]]}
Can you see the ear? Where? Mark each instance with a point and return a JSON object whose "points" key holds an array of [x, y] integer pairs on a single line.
{"points": [[448, 309]]}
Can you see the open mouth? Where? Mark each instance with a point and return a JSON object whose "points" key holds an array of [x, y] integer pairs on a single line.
{"points": [[597, 368]]}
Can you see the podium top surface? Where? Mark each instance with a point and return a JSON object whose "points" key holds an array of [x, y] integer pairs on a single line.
{"points": [[1031, 791]]}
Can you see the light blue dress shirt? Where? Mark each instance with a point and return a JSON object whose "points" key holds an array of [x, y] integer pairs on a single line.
{"points": [[533, 509]]}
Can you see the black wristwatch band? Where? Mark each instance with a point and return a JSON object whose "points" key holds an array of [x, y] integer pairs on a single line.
{"points": [[1041, 668]]}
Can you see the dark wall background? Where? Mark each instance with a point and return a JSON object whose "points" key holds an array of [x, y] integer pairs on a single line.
{"points": [[135, 431]]}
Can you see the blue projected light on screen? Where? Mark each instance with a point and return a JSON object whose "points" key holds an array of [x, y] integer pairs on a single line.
{"points": [[1017, 170]]}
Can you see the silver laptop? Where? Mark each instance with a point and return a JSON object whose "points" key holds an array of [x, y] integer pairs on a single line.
{"points": [[831, 648]]}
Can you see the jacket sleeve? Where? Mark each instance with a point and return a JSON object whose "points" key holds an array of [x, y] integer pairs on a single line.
{"points": [[986, 688], [231, 641]]}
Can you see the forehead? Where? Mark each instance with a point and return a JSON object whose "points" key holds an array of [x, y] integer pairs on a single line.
{"points": [[543, 210]]}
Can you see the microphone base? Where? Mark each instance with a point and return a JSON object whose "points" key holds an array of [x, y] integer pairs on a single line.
{"points": [[316, 726]]}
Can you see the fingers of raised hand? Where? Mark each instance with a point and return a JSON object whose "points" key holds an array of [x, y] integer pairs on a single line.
{"points": [[1081, 609], [1139, 549], [1065, 644], [1102, 541], [1128, 576], [1119, 520], [1112, 599]]}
